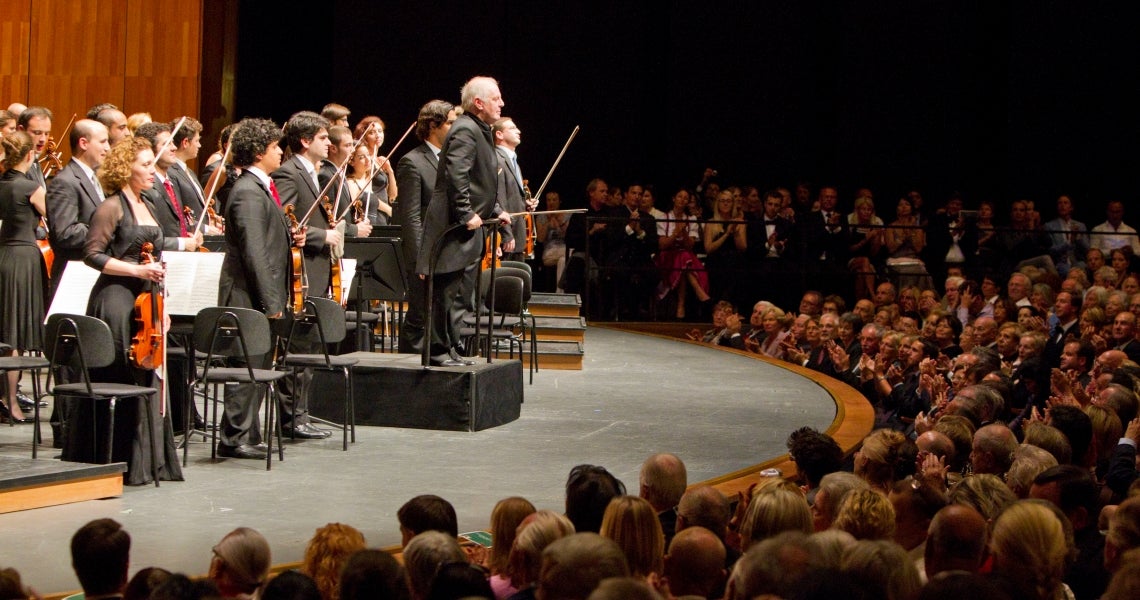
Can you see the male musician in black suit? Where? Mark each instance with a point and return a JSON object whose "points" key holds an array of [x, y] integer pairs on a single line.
{"points": [[74, 194], [36, 122], [341, 146], [512, 192], [110, 116], [256, 270], [187, 142], [465, 193], [298, 183], [415, 175]]}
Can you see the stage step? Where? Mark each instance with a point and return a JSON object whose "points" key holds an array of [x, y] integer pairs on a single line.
{"points": [[556, 355], [561, 329], [555, 305], [27, 483]]}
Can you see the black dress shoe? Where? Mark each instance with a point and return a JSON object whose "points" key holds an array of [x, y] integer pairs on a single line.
{"points": [[447, 362], [243, 451], [456, 357], [305, 431]]}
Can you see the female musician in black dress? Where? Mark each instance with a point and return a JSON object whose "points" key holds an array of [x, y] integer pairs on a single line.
{"points": [[23, 275], [119, 228], [384, 191]]}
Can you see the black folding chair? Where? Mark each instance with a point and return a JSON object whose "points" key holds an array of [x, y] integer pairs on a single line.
{"points": [[32, 364], [89, 340], [236, 333], [324, 321]]}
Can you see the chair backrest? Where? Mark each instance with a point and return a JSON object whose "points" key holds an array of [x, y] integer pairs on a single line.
{"points": [[518, 264], [232, 332], [78, 338], [508, 295], [323, 321], [522, 274]]}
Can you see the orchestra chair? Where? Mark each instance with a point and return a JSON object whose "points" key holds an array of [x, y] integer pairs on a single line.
{"points": [[323, 321], [228, 332], [87, 340], [32, 364]]}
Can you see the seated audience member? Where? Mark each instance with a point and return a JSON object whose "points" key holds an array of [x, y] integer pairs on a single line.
{"points": [[574, 565], [1029, 550], [833, 489], [987, 494], [830, 544], [773, 568], [695, 563], [143, 584], [1114, 233], [1123, 534], [1077, 428], [326, 553], [632, 523], [456, 580], [1106, 432], [884, 566], [704, 506], [11, 586], [771, 511], [241, 563], [535, 533], [775, 326], [426, 513], [1029, 461], [589, 489], [956, 541], [506, 520], [1049, 439], [1073, 490], [993, 449], [181, 587], [1125, 584], [885, 457], [373, 574], [100, 556], [662, 482], [292, 585], [815, 454], [915, 502], [423, 555], [867, 515], [624, 588]]}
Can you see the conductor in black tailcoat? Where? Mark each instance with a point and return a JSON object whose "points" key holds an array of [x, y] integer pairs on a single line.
{"points": [[465, 193]]}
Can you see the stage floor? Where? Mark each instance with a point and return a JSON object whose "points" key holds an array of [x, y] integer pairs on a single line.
{"points": [[636, 395]]}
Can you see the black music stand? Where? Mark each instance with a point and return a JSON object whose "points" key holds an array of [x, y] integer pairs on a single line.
{"points": [[379, 275]]}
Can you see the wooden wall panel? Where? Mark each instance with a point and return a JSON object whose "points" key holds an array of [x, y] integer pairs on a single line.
{"points": [[68, 55], [76, 55], [15, 44]]}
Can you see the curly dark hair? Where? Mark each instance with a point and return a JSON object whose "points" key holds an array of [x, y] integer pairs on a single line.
{"points": [[251, 138], [815, 453]]}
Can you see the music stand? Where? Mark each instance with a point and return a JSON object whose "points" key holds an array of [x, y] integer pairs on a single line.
{"points": [[379, 274]]}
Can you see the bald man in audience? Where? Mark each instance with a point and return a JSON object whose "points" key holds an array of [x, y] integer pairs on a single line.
{"points": [[573, 566], [956, 541], [662, 483], [704, 506], [985, 332], [694, 566], [938, 444], [993, 449]]}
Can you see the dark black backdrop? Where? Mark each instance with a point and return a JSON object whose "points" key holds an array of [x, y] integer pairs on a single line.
{"points": [[998, 100]]}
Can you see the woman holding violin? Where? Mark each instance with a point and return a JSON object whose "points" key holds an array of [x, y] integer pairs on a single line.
{"points": [[23, 275], [379, 209], [121, 229]]}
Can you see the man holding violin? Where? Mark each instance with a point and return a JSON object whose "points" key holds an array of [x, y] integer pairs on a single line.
{"points": [[513, 193], [257, 267], [36, 121]]}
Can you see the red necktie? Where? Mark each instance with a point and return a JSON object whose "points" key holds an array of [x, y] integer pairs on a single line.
{"points": [[273, 190], [177, 207]]}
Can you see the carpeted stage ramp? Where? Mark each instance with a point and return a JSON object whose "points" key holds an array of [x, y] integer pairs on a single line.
{"points": [[635, 395]]}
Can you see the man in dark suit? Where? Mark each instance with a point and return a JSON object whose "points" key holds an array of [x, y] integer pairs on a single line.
{"points": [[511, 188], [36, 122], [298, 183], [823, 237], [465, 192], [770, 247], [415, 176], [74, 194], [186, 144], [1124, 335], [256, 270]]}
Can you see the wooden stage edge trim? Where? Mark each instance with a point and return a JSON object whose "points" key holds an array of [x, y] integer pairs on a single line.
{"points": [[854, 419], [65, 492]]}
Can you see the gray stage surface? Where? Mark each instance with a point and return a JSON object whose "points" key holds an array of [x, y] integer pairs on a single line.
{"points": [[635, 396]]}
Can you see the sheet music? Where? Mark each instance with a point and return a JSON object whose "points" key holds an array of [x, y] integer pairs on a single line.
{"points": [[192, 281], [74, 289], [347, 266]]}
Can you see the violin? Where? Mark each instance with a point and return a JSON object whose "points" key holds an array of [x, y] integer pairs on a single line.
{"points": [[51, 159], [300, 286], [216, 220], [148, 344], [45, 248], [188, 213], [334, 263], [528, 218]]}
